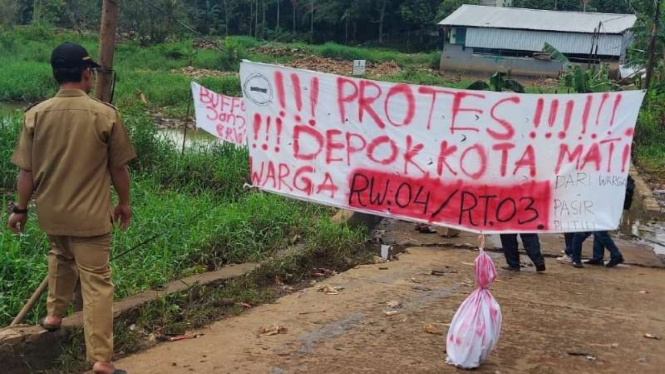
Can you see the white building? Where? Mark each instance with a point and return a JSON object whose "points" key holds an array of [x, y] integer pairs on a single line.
{"points": [[487, 39]]}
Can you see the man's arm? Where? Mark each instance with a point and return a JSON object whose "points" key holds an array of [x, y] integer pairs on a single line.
{"points": [[121, 183], [24, 187]]}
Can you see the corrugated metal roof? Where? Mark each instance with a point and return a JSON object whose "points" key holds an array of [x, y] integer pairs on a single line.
{"points": [[541, 20], [608, 45]]}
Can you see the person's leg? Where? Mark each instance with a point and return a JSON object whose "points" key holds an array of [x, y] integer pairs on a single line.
{"points": [[510, 251], [598, 251], [92, 259], [62, 277], [532, 247], [568, 239], [616, 257], [578, 240], [568, 251]]}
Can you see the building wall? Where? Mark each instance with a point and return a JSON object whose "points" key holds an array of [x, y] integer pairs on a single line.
{"points": [[459, 58], [524, 40]]}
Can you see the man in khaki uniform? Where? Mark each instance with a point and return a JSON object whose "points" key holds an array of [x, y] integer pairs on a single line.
{"points": [[70, 150]]}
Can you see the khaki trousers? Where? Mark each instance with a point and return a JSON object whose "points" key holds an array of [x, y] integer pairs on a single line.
{"points": [[87, 258]]}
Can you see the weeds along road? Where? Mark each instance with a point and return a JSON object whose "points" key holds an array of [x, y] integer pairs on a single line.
{"points": [[564, 321]]}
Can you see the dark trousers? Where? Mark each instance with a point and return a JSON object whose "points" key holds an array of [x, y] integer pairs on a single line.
{"points": [[531, 246], [568, 238], [601, 240]]}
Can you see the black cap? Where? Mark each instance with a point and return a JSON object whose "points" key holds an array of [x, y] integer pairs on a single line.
{"points": [[70, 55]]}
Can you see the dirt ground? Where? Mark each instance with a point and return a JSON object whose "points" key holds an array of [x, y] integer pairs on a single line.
{"points": [[567, 320]]}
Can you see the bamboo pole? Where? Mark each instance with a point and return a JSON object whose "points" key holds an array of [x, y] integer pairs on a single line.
{"points": [[33, 300]]}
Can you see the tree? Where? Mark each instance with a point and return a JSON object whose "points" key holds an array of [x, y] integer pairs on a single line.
{"points": [[263, 21], [419, 14], [152, 26], [604, 6], [278, 12], [311, 30], [9, 11], [645, 9], [569, 5], [225, 4], [81, 14], [612, 6], [382, 17], [447, 7], [294, 7], [47, 12]]}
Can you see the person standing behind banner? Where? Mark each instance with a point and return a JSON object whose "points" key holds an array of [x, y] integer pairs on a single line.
{"points": [[602, 239], [567, 258], [71, 148], [568, 251], [531, 246]]}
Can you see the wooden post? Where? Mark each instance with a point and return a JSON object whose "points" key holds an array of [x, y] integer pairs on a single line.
{"points": [[110, 10], [184, 135], [652, 45], [33, 300], [104, 86]]}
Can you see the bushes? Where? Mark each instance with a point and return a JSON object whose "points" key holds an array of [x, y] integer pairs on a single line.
{"points": [[649, 140], [25, 81]]}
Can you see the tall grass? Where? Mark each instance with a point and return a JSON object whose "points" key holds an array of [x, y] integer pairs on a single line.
{"points": [[193, 206], [10, 125], [649, 149], [26, 74]]}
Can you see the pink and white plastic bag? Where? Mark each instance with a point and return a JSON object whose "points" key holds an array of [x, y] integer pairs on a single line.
{"points": [[476, 327]]}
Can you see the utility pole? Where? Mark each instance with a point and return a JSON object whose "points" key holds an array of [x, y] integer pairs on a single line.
{"points": [[652, 45], [104, 88]]}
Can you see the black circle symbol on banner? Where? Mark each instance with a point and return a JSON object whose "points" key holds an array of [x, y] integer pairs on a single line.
{"points": [[258, 89]]}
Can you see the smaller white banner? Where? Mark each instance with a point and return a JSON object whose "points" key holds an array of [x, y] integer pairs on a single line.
{"points": [[220, 115]]}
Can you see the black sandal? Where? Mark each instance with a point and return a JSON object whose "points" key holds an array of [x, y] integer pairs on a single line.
{"points": [[426, 229], [49, 328]]}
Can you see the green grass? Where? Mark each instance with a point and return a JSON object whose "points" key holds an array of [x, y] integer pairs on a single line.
{"points": [[649, 145], [10, 124], [26, 75], [330, 246], [193, 205]]}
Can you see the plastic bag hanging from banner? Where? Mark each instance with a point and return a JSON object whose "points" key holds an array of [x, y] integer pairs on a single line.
{"points": [[476, 326]]}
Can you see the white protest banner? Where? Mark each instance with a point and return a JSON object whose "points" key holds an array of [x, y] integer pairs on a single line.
{"points": [[220, 115], [479, 161]]}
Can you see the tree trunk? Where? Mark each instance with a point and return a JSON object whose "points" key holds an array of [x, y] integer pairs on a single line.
{"points": [[226, 18], [311, 26], [382, 17], [355, 31], [651, 52], [256, 19], [346, 32], [263, 21], [277, 25], [251, 16], [408, 40], [293, 5]]}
